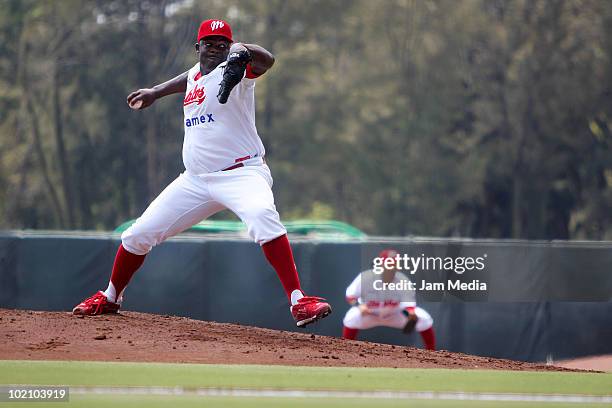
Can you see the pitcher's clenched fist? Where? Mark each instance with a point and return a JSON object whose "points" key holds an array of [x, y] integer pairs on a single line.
{"points": [[141, 98]]}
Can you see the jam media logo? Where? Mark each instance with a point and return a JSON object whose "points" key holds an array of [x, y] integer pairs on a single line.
{"points": [[196, 95], [216, 24]]}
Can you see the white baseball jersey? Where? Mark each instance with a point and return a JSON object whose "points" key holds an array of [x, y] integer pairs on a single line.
{"points": [[385, 305], [218, 136], [382, 302]]}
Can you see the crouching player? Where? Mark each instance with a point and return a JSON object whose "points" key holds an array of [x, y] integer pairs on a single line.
{"points": [[373, 307]]}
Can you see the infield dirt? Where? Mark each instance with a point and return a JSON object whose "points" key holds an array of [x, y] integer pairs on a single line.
{"points": [[140, 337]]}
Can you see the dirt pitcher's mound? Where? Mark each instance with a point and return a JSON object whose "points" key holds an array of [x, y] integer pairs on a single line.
{"points": [[599, 363], [131, 336]]}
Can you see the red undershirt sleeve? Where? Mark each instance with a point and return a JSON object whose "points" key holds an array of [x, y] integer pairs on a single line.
{"points": [[249, 72]]}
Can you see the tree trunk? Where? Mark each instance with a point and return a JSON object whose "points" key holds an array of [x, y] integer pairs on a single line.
{"points": [[61, 148], [28, 113], [270, 40], [155, 32]]}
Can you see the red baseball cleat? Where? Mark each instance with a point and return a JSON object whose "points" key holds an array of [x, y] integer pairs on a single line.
{"points": [[95, 305], [309, 309]]}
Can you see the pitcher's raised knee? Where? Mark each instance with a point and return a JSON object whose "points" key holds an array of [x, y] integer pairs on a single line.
{"points": [[138, 243], [263, 224]]}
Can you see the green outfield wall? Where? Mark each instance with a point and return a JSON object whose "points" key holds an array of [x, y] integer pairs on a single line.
{"points": [[543, 299]]}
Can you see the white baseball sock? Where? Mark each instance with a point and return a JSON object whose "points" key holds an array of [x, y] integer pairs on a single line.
{"points": [[295, 296], [111, 293]]}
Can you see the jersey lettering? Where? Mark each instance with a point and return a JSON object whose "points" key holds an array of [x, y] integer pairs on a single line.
{"points": [[215, 134], [199, 120], [196, 95]]}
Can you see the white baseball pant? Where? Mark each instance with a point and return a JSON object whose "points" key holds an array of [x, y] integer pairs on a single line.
{"points": [[396, 319], [189, 199]]}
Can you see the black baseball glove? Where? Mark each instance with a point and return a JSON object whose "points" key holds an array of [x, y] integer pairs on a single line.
{"points": [[412, 321], [233, 73]]}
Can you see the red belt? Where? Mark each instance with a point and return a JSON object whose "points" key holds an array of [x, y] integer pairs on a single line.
{"points": [[235, 166], [238, 165]]}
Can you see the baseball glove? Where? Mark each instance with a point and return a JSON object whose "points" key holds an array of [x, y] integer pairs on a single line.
{"points": [[412, 321], [233, 73]]}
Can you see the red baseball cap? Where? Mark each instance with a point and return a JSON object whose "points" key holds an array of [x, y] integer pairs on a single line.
{"points": [[388, 253], [215, 27]]}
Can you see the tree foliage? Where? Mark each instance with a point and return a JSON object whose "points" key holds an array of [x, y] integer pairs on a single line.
{"points": [[481, 118]]}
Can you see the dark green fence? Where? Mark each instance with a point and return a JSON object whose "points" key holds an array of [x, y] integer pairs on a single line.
{"points": [[544, 298]]}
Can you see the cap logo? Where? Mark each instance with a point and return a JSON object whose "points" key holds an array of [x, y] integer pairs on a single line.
{"points": [[216, 24]]}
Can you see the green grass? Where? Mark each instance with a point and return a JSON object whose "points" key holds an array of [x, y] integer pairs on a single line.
{"points": [[138, 401], [286, 377], [78, 373]]}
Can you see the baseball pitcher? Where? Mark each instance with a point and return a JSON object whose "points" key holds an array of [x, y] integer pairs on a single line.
{"points": [[225, 167]]}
